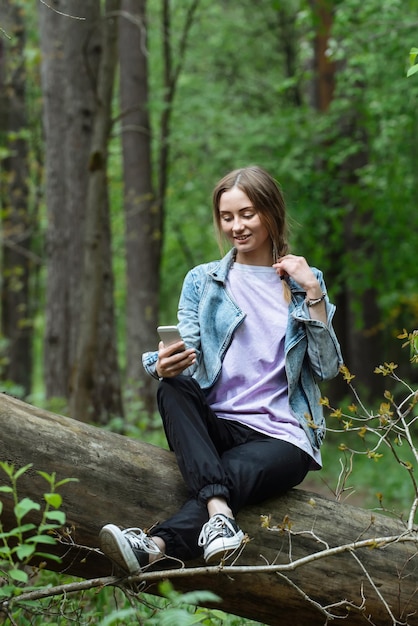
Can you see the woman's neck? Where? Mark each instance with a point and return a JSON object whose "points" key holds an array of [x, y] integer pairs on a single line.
{"points": [[264, 259]]}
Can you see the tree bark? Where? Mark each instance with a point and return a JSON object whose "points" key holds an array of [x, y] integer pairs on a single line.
{"points": [[16, 220], [359, 330], [95, 389], [143, 225], [70, 57], [130, 483]]}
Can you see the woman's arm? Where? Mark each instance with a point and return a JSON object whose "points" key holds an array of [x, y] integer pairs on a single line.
{"points": [[299, 270], [316, 313]]}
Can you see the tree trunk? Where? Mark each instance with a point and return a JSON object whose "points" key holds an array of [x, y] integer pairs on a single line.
{"points": [[358, 330], [16, 314], [130, 483], [95, 390], [323, 84], [70, 55], [143, 236], [82, 52]]}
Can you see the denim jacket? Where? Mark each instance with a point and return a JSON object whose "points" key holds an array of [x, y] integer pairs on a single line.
{"points": [[208, 317]]}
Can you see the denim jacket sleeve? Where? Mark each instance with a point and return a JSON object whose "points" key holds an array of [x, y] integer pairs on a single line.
{"points": [[188, 322], [323, 349]]}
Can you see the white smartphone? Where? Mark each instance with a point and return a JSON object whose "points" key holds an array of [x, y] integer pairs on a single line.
{"points": [[169, 334]]}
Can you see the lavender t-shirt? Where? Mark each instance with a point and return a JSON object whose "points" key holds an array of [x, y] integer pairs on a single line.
{"points": [[252, 387]]}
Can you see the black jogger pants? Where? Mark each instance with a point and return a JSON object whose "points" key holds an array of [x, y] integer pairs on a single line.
{"points": [[218, 457]]}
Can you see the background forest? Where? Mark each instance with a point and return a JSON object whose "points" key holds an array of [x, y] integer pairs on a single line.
{"points": [[116, 120], [115, 127], [117, 117]]}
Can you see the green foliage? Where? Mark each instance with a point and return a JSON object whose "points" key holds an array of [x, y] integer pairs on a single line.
{"points": [[172, 608], [412, 59], [27, 540], [236, 105], [369, 435], [137, 422]]}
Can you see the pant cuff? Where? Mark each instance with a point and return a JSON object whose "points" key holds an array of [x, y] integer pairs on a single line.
{"points": [[213, 491]]}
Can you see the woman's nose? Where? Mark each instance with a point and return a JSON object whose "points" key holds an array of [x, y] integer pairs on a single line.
{"points": [[238, 224]]}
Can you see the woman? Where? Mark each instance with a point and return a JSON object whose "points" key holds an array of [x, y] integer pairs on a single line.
{"points": [[239, 398]]}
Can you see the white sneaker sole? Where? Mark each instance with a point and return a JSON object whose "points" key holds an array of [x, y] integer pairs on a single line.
{"points": [[221, 548], [117, 548]]}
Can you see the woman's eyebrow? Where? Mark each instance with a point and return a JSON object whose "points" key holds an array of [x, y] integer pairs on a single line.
{"points": [[245, 208]]}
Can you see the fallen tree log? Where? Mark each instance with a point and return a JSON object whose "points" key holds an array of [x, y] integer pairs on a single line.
{"points": [[130, 483]]}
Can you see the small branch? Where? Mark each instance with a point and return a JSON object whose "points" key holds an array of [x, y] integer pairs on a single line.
{"points": [[395, 622], [3, 32], [136, 21], [378, 542], [322, 609], [74, 17], [412, 513]]}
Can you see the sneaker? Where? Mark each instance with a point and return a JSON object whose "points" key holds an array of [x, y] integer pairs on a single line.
{"points": [[219, 537], [129, 549]]}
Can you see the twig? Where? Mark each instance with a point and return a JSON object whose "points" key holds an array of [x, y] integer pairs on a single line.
{"points": [[395, 622], [3, 32], [322, 609], [74, 17]]}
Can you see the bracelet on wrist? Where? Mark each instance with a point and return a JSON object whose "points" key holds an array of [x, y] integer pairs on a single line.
{"points": [[314, 301]]}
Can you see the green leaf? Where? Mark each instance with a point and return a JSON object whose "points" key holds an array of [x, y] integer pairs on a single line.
{"points": [[179, 616], [50, 557], [22, 470], [199, 597], [6, 535], [6, 591], [58, 516], [24, 551], [44, 529], [116, 616], [214, 613], [6, 489], [9, 469], [64, 481], [50, 478], [19, 575], [23, 507], [413, 55], [412, 70], [53, 499], [16, 532], [42, 539], [167, 590]]}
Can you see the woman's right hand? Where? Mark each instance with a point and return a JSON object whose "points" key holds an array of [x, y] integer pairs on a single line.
{"points": [[174, 359]]}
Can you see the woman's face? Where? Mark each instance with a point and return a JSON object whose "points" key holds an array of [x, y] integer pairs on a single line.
{"points": [[243, 227]]}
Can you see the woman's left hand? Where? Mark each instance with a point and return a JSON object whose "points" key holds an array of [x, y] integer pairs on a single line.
{"points": [[298, 268]]}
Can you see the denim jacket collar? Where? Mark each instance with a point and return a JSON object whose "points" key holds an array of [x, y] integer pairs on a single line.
{"points": [[219, 270]]}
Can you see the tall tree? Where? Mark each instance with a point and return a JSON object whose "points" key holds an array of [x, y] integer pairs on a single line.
{"points": [[144, 208], [77, 80], [143, 237], [16, 322], [358, 315], [95, 388], [70, 54]]}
